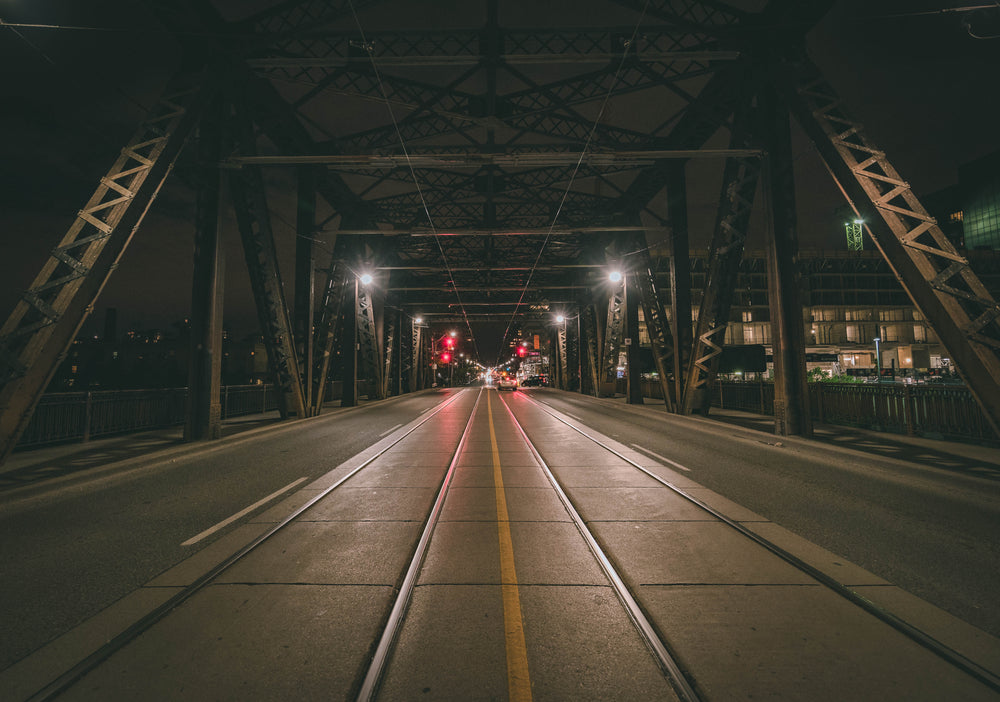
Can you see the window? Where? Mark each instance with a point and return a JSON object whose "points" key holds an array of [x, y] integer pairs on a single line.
{"points": [[852, 333], [919, 333]]}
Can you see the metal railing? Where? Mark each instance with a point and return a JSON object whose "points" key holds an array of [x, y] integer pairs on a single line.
{"points": [[80, 416], [932, 411]]}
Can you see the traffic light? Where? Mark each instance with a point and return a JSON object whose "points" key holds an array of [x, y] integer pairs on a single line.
{"points": [[445, 357], [522, 351], [449, 342]]}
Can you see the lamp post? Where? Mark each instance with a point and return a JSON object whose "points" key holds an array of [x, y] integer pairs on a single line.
{"points": [[878, 361]]}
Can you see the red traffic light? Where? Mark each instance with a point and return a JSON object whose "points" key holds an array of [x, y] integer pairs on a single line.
{"points": [[521, 351], [449, 342], [445, 357]]}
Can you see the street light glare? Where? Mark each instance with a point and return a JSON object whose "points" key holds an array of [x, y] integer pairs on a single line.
{"points": [[560, 319], [366, 278], [615, 276]]}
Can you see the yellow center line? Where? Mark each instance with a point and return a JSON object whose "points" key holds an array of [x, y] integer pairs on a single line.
{"points": [[518, 681]]}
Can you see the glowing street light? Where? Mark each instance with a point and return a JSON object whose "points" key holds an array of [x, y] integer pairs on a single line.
{"points": [[615, 276], [366, 278]]}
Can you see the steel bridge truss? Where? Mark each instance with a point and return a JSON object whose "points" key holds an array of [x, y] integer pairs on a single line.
{"points": [[503, 215]]}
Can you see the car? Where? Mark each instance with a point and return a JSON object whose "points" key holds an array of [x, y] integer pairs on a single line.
{"points": [[506, 382]]}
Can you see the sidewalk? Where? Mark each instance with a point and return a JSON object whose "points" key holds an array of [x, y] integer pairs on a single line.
{"points": [[30, 465], [966, 458]]}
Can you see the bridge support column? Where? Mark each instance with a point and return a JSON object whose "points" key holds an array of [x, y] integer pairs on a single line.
{"points": [[633, 394], [791, 392], [680, 275], [305, 296], [204, 402], [349, 395]]}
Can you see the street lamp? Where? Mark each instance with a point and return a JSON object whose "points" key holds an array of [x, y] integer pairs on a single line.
{"points": [[878, 360]]}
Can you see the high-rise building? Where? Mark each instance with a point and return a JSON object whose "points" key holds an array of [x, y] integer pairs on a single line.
{"points": [[979, 185]]}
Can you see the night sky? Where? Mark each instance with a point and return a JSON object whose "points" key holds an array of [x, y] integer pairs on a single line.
{"points": [[924, 86]]}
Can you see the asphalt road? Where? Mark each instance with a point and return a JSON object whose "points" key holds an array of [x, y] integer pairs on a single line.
{"points": [[931, 529], [76, 545]]}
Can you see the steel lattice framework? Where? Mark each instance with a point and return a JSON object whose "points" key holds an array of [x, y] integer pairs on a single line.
{"points": [[491, 168]]}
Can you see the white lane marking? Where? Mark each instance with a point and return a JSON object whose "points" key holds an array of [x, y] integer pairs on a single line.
{"points": [[389, 430], [251, 508], [660, 458]]}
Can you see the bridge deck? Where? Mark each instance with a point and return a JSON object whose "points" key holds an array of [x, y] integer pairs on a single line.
{"points": [[510, 596]]}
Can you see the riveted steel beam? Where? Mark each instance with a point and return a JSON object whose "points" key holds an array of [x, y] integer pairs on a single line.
{"points": [[43, 325], [938, 279], [739, 185], [657, 325], [253, 218]]}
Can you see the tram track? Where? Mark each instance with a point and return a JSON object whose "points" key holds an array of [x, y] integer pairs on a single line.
{"points": [[925, 640], [67, 679], [379, 658]]}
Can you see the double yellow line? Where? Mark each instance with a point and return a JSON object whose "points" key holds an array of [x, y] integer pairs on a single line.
{"points": [[518, 681]]}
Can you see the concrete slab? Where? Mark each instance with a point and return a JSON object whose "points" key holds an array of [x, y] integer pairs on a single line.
{"points": [[409, 459], [690, 553], [237, 642], [838, 568], [380, 475], [507, 458], [280, 511], [634, 504], [734, 511], [478, 443], [462, 553], [355, 553], [373, 504], [480, 504], [601, 476], [451, 647], [513, 476], [962, 637], [582, 646], [566, 456], [553, 553], [797, 643], [204, 560]]}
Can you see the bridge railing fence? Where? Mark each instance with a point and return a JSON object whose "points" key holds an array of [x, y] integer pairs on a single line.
{"points": [[80, 416], [917, 410]]}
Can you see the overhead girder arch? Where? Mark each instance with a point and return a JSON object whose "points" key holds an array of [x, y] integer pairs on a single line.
{"points": [[697, 51]]}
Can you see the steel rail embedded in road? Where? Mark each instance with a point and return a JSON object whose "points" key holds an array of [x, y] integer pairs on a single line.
{"points": [[666, 660], [373, 676], [940, 649], [71, 676]]}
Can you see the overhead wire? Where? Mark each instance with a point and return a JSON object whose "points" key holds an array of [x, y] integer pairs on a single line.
{"points": [[586, 146], [413, 174]]}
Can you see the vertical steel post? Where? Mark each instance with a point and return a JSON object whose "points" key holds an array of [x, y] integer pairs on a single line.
{"points": [[204, 404], [631, 303], [305, 264], [680, 275], [791, 398], [561, 345], [349, 394]]}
